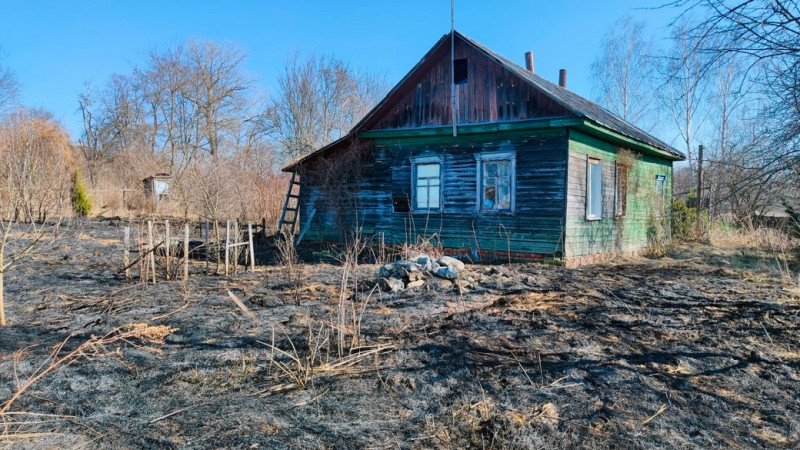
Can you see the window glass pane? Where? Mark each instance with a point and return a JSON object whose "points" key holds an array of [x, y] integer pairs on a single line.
{"points": [[427, 185], [433, 197], [427, 170], [503, 198], [503, 168], [496, 184], [489, 198], [491, 169], [422, 197], [594, 191]]}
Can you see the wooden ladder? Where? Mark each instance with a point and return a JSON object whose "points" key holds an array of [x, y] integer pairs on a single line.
{"points": [[291, 207]]}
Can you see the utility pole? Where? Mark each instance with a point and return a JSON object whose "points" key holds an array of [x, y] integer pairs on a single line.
{"points": [[700, 189]]}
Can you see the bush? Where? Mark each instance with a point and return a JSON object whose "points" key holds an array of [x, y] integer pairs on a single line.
{"points": [[684, 219], [81, 203]]}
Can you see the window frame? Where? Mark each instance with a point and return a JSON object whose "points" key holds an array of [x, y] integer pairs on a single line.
{"points": [[621, 173], [480, 158], [590, 216], [661, 186], [426, 160]]}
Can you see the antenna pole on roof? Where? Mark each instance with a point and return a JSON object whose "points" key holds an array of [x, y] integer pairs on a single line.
{"points": [[453, 93]]}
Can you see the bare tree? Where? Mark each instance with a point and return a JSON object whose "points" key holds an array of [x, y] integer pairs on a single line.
{"points": [[318, 101], [759, 41], [624, 73], [685, 86], [9, 87], [35, 163]]}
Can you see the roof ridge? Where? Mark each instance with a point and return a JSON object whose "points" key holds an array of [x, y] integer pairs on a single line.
{"points": [[568, 99]]}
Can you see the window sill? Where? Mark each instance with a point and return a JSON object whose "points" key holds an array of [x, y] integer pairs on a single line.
{"points": [[593, 218], [495, 213]]}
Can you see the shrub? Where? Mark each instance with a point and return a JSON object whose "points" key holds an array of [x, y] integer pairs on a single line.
{"points": [[684, 219], [81, 203]]}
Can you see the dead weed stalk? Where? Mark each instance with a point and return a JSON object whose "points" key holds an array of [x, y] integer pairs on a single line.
{"points": [[334, 347], [290, 262]]}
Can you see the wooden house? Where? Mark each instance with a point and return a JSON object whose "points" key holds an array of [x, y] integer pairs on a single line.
{"points": [[529, 171]]}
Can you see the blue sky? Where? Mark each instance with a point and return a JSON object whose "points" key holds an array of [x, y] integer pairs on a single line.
{"points": [[56, 47]]}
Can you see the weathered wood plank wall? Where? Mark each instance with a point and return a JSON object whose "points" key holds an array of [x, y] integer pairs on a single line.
{"points": [[492, 93], [536, 226], [612, 234]]}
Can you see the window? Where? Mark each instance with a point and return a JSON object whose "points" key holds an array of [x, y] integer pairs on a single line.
{"points": [[621, 193], [496, 179], [460, 71], [594, 189], [427, 183], [661, 181]]}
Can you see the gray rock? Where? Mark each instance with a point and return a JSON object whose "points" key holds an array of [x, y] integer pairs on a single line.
{"points": [[443, 284], [446, 273], [386, 270], [415, 283], [390, 284], [424, 263], [414, 276], [454, 264]]}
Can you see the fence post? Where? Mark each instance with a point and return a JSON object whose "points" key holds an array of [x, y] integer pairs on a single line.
{"points": [[125, 253], [236, 252], [151, 249], [208, 247], [252, 252], [166, 243], [186, 252], [227, 241], [143, 264]]}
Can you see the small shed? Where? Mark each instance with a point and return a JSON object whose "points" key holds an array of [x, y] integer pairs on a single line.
{"points": [[158, 186]]}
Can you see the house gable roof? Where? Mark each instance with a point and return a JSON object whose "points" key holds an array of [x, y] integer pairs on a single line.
{"points": [[574, 104]]}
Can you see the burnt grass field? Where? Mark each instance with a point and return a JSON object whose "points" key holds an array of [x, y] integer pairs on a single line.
{"points": [[697, 349]]}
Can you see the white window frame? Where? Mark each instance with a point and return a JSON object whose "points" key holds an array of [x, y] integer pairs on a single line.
{"points": [[662, 189], [496, 156], [590, 214], [422, 160], [620, 207]]}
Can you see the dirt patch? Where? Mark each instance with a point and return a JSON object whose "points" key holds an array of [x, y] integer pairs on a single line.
{"points": [[692, 350]]}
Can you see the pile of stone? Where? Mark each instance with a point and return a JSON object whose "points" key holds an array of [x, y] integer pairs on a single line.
{"points": [[415, 272]]}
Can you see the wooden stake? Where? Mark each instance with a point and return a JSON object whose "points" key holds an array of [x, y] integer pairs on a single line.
{"points": [[143, 265], [125, 253], [151, 246], [166, 241], [236, 246], [227, 249], [186, 252], [241, 305], [208, 247], [252, 252]]}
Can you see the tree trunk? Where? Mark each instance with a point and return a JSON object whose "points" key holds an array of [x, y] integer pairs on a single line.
{"points": [[2, 306]]}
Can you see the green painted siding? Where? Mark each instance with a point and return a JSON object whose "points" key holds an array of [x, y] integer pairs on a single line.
{"points": [[613, 234]]}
